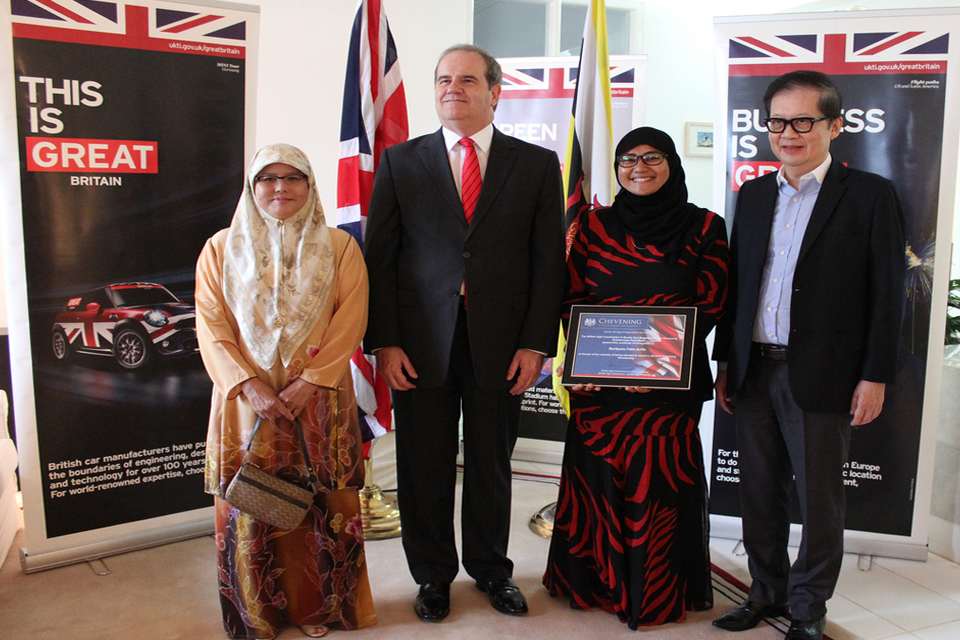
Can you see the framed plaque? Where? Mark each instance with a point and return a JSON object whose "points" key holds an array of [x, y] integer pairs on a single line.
{"points": [[617, 346]]}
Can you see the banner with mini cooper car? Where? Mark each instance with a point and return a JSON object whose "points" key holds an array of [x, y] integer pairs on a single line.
{"points": [[130, 124], [896, 72]]}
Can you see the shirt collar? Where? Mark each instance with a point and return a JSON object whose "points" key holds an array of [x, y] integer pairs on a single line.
{"points": [[817, 174], [482, 139]]}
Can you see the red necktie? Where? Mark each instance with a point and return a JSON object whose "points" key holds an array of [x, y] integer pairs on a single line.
{"points": [[470, 180]]}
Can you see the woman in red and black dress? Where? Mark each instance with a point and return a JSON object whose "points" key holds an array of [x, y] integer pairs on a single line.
{"points": [[631, 532]]}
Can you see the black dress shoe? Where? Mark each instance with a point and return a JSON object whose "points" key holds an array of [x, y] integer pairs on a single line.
{"points": [[748, 615], [803, 630], [505, 596], [433, 601]]}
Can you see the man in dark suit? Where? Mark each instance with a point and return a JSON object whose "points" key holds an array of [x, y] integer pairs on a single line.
{"points": [[465, 299], [817, 250]]}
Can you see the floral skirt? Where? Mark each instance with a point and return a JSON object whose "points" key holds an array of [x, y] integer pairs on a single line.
{"points": [[315, 574]]}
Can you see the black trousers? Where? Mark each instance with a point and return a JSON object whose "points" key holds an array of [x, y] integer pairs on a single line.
{"points": [[779, 442], [427, 446]]}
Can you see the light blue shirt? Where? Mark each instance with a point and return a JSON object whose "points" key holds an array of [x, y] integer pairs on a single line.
{"points": [[790, 220]]}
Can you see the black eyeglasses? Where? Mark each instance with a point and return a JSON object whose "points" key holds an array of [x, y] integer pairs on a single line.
{"points": [[800, 125], [651, 159], [290, 180]]}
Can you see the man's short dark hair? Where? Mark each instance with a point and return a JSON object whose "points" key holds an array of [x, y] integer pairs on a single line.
{"points": [[493, 74], [830, 103]]}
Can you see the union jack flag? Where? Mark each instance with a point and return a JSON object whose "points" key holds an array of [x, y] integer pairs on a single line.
{"points": [[220, 32], [840, 53], [374, 117]]}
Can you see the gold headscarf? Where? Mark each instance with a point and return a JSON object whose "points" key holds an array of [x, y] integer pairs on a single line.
{"points": [[278, 274]]}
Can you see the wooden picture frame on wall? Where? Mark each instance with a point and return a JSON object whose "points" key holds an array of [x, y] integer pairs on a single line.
{"points": [[699, 139]]}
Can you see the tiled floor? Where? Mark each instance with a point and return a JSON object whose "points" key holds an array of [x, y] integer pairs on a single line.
{"points": [[893, 600]]}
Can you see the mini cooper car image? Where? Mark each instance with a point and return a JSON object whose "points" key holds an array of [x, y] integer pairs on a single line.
{"points": [[132, 321]]}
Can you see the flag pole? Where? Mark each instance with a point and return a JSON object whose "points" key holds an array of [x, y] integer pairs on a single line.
{"points": [[374, 117], [380, 515], [587, 177]]}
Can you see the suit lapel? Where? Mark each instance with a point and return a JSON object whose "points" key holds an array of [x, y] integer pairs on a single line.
{"points": [[500, 160], [757, 225], [435, 157], [830, 193]]}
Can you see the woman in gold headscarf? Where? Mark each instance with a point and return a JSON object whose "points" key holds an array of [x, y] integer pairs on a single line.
{"points": [[281, 306]]}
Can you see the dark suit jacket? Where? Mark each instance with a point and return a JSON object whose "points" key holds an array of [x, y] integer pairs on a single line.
{"points": [[848, 290], [419, 250]]}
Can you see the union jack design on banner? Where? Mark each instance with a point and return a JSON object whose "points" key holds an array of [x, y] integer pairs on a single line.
{"points": [[560, 81], [100, 17], [840, 53], [135, 26], [537, 82], [374, 117], [196, 26], [906, 45], [799, 49]]}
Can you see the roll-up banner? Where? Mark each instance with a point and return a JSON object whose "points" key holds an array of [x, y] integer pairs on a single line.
{"points": [[897, 74], [129, 120], [535, 105]]}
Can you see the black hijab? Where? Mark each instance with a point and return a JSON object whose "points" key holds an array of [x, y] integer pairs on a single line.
{"points": [[663, 217]]}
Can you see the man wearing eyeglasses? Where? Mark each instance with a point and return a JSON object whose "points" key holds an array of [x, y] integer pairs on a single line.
{"points": [[818, 253]]}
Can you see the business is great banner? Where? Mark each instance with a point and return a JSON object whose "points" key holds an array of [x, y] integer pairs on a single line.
{"points": [[895, 72]]}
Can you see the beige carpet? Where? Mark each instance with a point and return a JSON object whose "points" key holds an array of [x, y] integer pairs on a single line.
{"points": [[169, 592]]}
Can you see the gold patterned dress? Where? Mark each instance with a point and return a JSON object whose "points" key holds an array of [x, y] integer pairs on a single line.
{"points": [[315, 574]]}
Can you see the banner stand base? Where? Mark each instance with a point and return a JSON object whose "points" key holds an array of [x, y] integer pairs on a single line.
{"points": [[860, 542], [536, 450], [33, 562]]}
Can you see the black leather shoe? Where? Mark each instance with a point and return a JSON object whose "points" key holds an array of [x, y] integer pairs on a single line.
{"points": [[802, 630], [748, 614], [433, 601], [505, 596]]}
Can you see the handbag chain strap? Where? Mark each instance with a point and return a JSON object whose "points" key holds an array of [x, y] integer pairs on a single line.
{"points": [[311, 476]]}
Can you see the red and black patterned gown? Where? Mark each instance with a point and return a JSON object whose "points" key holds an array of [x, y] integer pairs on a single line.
{"points": [[631, 533]]}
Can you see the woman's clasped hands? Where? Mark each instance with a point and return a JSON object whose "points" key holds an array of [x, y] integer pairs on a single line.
{"points": [[270, 405]]}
